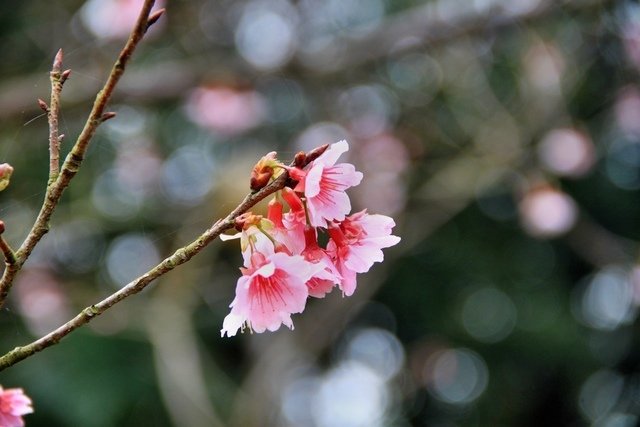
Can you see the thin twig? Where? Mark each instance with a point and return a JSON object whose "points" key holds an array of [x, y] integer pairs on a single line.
{"points": [[74, 158], [52, 114], [9, 255], [180, 256]]}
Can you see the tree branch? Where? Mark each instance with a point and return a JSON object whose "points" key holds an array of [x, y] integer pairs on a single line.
{"points": [[180, 256], [74, 159], [9, 255], [52, 114]]}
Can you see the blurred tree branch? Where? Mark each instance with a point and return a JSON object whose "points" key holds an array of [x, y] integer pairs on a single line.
{"points": [[440, 22], [423, 25]]}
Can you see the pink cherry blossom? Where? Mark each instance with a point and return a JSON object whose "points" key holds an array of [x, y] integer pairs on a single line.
{"points": [[13, 405], [323, 281], [271, 288], [288, 228], [248, 240], [324, 184], [357, 242]]}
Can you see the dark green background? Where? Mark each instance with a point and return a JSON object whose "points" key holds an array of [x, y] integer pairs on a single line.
{"points": [[457, 94]]}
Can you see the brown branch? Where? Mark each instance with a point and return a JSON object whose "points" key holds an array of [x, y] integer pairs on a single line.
{"points": [[52, 114], [74, 159], [9, 255], [180, 256]]}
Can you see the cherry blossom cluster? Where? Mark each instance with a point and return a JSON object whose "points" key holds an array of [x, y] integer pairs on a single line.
{"points": [[284, 263], [13, 405]]}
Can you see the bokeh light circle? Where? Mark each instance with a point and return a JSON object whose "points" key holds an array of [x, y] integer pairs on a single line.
{"points": [[458, 376]]}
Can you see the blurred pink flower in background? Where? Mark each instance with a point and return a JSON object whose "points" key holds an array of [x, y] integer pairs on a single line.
{"points": [[567, 152], [384, 160], [13, 405], [138, 165], [627, 110], [114, 19], [225, 109], [631, 41], [544, 65], [41, 300], [547, 212]]}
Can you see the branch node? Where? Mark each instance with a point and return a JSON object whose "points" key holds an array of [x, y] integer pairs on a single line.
{"points": [[91, 311]]}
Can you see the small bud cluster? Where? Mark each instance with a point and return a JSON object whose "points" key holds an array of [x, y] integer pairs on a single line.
{"points": [[284, 263]]}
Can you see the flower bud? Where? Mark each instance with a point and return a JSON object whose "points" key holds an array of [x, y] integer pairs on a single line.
{"points": [[315, 153], [247, 220], [300, 160], [57, 62], [264, 170], [5, 175]]}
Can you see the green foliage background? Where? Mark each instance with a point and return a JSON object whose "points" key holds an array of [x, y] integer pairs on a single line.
{"points": [[464, 94]]}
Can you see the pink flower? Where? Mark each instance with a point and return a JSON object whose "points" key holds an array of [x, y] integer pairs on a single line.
{"points": [[249, 238], [227, 110], [271, 288], [114, 19], [324, 185], [323, 281], [288, 228], [357, 242], [13, 405]]}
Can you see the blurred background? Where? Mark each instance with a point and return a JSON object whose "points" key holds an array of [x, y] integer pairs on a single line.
{"points": [[502, 135]]}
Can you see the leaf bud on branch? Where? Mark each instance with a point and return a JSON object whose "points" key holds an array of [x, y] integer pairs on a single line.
{"points": [[5, 175], [43, 105], [64, 76], [57, 62], [153, 18], [108, 116]]}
